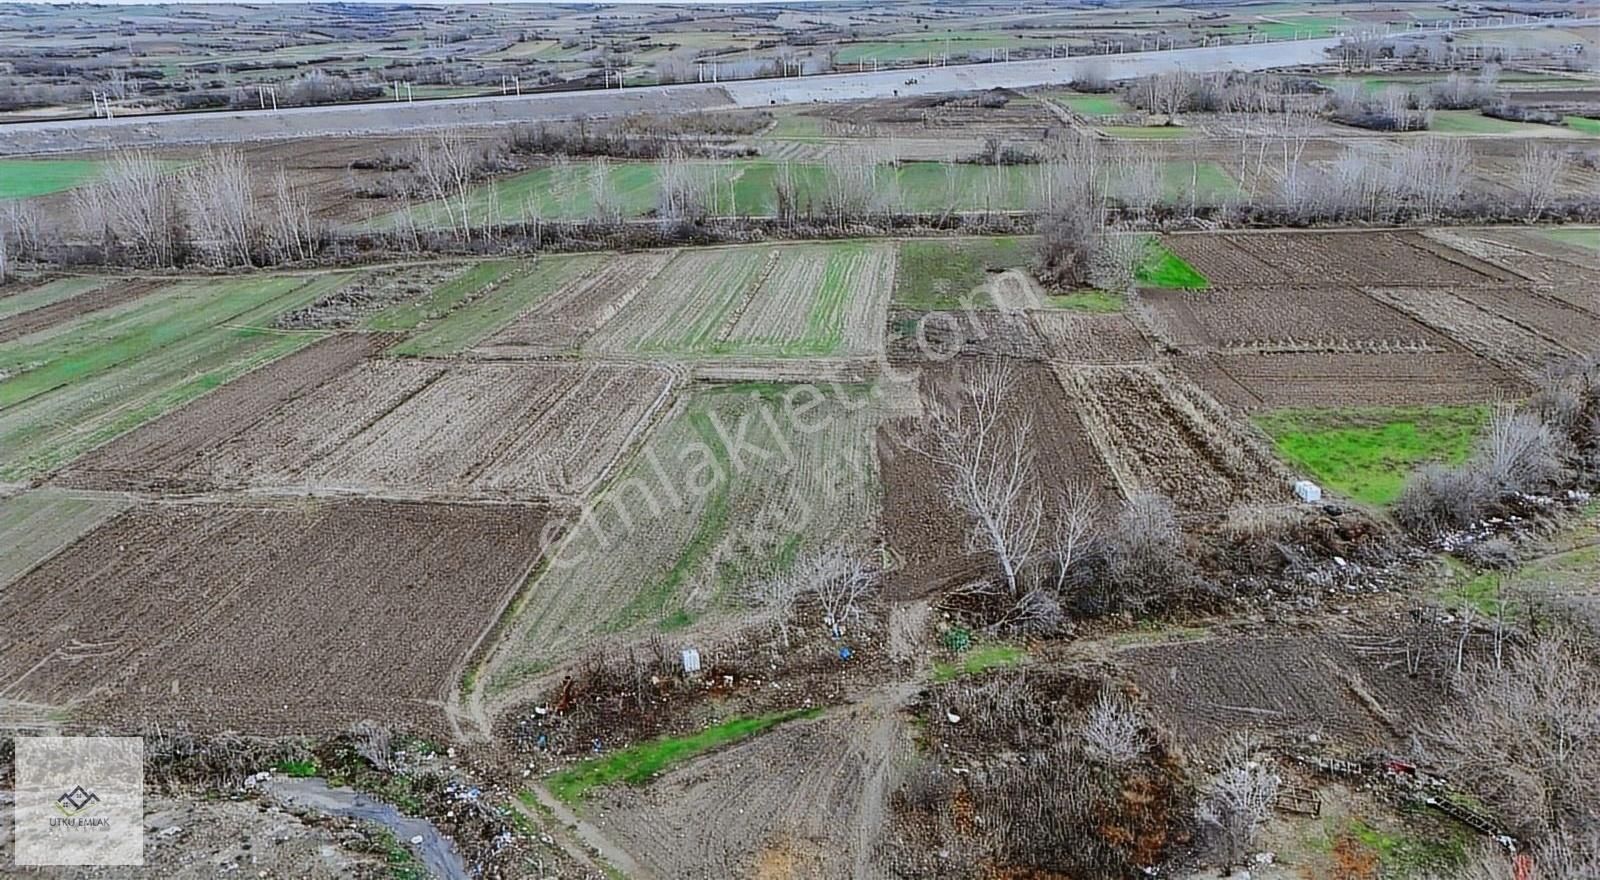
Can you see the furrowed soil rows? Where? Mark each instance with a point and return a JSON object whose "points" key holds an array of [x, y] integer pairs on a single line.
{"points": [[467, 429], [1298, 684], [685, 305], [1574, 329], [1511, 344], [1272, 381], [820, 300], [159, 454], [1526, 253], [786, 301], [1166, 435], [729, 490], [925, 534], [563, 321], [921, 337], [1394, 258], [293, 618], [1333, 318], [806, 799], [1222, 261], [17, 298], [74, 386], [1075, 338], [95, 299], [39, 522]]}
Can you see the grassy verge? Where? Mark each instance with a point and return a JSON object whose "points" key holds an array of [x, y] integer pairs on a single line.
{"points": [[1367, 453], [1168, 270], [1092, 105], [635, 765], [979, 660], [951, 274]]}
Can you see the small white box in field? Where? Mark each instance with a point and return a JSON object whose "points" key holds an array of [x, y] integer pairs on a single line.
{"points": [[1308, 491], [691, 661]]}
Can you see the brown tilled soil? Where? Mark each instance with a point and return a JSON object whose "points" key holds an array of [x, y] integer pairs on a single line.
{"points": [[1161, 432], [294, 617], [327, 419], [1323, 379], [1286, 683], [1078, 338], [18, 326], [924, 532], [922, 337], [165, 454], [1333, 258], [807, 799], [1511, 343], [561, 321], [1282, 318]]}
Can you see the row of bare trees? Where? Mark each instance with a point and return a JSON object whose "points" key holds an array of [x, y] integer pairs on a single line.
{"points": [[212, 212]]}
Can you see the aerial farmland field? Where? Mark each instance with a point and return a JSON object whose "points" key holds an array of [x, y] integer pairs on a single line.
{"points": [[804, 441]]}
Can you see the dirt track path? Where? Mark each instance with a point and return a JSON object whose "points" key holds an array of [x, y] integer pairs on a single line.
{"points": [[591, 835]]}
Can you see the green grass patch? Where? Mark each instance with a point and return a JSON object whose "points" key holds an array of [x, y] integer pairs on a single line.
{"points": [[636, 765], [1473, 122], [1582, 236], [1405, 855], [1366, 454], [951, 273], [979, 660], [27, 178], [296, 769], [1098, 301], [1201, 182], [1166, 269], [1583, 124], [1092, 105]]}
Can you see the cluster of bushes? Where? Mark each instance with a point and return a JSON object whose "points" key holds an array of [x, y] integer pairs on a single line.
{"points": [[1551, 443]]}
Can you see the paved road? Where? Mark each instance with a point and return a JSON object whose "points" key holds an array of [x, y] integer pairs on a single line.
{"points": [[391, 118]]}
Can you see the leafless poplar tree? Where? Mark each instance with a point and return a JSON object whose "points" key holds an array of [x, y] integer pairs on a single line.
{"points": [[290, 230], [445, 165], [986, 464], [687, 189], [1538, 178], [836, 577], [133, 204], [220, 203]]}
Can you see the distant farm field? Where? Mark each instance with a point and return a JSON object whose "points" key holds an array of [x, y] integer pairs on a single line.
{"points": [[26, 178]]}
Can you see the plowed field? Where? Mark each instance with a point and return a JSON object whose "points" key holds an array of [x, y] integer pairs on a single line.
{"points": [[289, 618]]}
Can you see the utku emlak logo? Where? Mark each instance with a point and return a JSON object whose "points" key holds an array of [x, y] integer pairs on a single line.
{"points": [[72, 805]]}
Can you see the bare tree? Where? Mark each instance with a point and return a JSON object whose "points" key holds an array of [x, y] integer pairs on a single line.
{"points": [[1237, 801], [219, 201], [446, 166], [985, 462], [688, 189], [1112, 731], [1526, 739], [1073, 531], [133, 205], [1538, 178], [290, 231], [836, 577]]}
